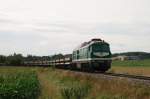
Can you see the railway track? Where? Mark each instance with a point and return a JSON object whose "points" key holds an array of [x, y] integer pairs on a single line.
{"points": [[133, 79], [112, 75], [128, 76], [138, 77]]}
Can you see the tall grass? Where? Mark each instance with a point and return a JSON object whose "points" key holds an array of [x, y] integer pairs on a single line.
{"points": [[75, 92], [19, 85], [105, 88]]}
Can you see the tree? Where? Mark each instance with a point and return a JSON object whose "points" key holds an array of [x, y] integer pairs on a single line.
{"points": [[2, 59], [16, 59]]}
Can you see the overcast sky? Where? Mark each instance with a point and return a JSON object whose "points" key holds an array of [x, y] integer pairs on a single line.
{"points": [[46, 27]]}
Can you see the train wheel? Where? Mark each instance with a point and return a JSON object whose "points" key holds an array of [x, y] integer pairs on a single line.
{"points": [[84, 67], [90, 67], [73, 66]]}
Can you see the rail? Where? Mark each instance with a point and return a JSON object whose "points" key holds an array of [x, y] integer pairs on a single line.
{"points": [[127, 76]]}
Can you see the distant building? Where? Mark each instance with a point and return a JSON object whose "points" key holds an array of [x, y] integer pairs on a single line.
{"points": [[133, 58], [124, 57]]}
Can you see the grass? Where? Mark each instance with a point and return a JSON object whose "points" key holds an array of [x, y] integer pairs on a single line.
{"points": [[20, 85], [137, 67], [145, 71], [63, 84], [132, 63], [67, 85], [75, 92]]}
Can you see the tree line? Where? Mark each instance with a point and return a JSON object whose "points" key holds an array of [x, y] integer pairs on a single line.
{"points": [[18, 59], [141, 55]]}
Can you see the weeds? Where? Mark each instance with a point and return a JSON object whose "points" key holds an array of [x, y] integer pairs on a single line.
{"points": [[75, 92]]}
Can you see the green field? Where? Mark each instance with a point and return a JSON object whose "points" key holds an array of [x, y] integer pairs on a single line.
{"points": [[137, 67], [132, 63], [18, 85], [20, 82]]}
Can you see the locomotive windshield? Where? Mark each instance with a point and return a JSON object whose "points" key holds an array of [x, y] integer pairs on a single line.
{"points": [[100, 50], [100, 47]]}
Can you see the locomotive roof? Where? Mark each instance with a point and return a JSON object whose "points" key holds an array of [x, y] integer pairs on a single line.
{"points": [[89, 43]]}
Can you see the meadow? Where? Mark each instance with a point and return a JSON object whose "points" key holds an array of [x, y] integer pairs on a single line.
{"points": [[137, 67], [132, 63], [63, 84]]}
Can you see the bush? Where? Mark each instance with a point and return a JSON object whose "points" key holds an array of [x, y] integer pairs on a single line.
{"points": [[19, 86]]}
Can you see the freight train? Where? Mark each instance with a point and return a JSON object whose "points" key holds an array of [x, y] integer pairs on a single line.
{"points": [[94, 55]]}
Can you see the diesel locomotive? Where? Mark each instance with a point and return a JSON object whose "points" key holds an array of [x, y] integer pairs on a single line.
{"points": [[94, 55]]}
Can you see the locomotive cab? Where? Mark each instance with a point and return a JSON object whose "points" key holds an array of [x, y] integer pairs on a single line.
{"points": [[100, 56]]}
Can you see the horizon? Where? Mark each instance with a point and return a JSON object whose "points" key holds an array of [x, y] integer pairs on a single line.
{"points": [[49, 27]]}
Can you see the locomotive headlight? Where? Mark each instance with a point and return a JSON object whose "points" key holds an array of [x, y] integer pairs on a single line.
{"points": [[101, 54]]}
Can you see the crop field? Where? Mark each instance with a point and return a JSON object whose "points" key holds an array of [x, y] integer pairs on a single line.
{"points": [[137, 67], [18, 85], [63, 84]]}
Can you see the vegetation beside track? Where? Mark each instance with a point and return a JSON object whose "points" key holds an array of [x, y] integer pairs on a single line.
{"points": [[63, 84]]}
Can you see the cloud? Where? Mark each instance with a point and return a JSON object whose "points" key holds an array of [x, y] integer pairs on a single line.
{"points": [[48, 27], [67, 36]]}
